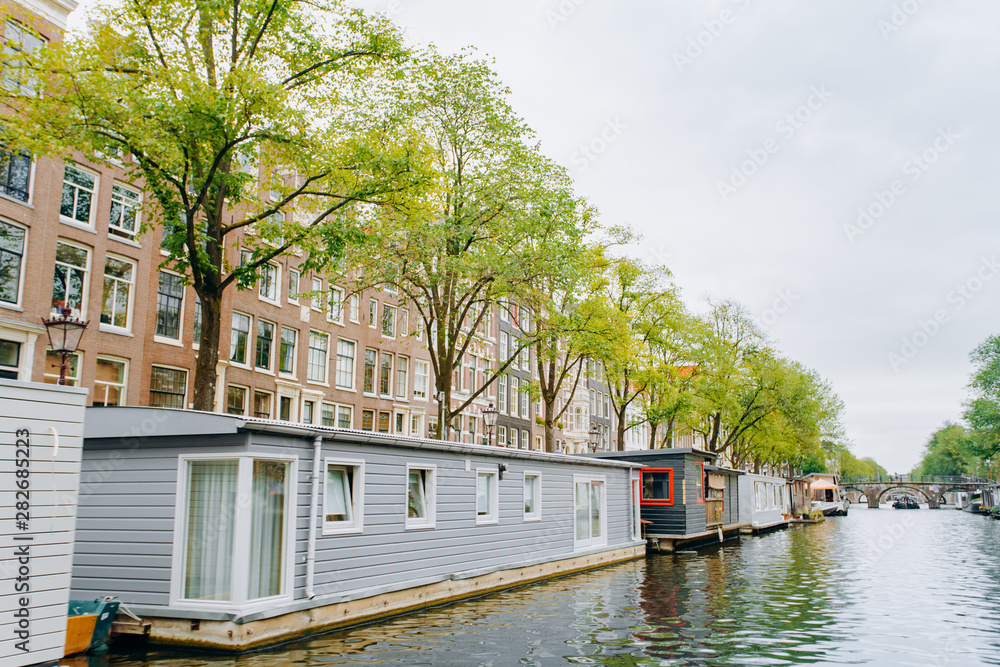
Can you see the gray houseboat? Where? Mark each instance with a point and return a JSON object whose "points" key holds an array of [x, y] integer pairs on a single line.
{"points": [[685, 499], [232, 533]]}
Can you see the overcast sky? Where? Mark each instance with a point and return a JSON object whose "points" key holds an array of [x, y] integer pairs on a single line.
{"points": [[886, 106]]}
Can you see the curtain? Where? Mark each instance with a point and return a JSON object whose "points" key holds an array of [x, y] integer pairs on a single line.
{"points": [[211, 513], [483, 495], [267, 529], [582, 509], [338, 495], [595, 508], [416, 498], [529, 494]]}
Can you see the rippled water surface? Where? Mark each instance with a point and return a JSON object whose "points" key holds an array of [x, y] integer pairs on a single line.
{"points": [[878, 587]]}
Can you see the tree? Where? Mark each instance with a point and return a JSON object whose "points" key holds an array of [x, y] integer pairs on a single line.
{"points": [[949, 451], [982, 411], [235, 115], [493, 217]]}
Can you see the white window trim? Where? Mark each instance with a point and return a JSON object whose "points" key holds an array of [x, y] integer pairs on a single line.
{"points": [[427, 379], [354, 365], [351, 316], [246, 398], [276, 301], [493, 517], [138, 213], [430, 520], [124, 388], [271, 403], [357, 525], [316, 300], [251, 347], [272, 360], [73, 222], [579, 545], [326, 377], [635, 491], [241, 564], [130, 308], [537, 514], [19, 304], [188, 377], [298, 284], [295, 351], [329, 305]]}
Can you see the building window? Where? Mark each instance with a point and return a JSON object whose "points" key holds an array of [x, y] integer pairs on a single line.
{"points": [[420, 377], [523, 400], [388, 321], [124, 211], [636, 513], [269, 282], [293, 286], [262, 404], [109, 383], [524, 438], [402, 366], [371, 359], [502, 436], [15, 174], [404, 323], [589, 512], [502, 393], [355, 306], [285, 408], [286, 354], [420, 497], [367, 420], [486, 496], [699, 482], [345, 364], [317, 294], [336, 311], [345, 416], [383, 422], [385, 376], [70, 281], [316, 372], [328, 414], [307, 411], [344, 497], [78, 195], [658, 486], [19, 39], [502, 352], [265, 343], [373, 313], [168, 306], [167, 387], [53, 362], [236, 400], [515, 393], [239, 338], [10, 358], [400, 423], [11, 261], [532, 496], [118, 277], [415, 430]]}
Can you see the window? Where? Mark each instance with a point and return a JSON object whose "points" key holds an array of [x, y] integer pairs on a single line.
{"points": [[10, 357], [402, 366], [657, 486], [593, 395], [503, 306], [515, 393], [345, 364], [239, 336], [355, 306], [420, 377], [109, 383], [502, 394], [118, 277], [415, 430], [336, 311], [53, 362], [343, 502], [285, 408], [532, 496], [316, 371], [265, 343], [78, 195], [70, 281], [262, 404], [317, 296], [328, 414], [345, 416], [420, 497], [308, 407], [404, 323], [236, 400], [385, 375], [636, 513], [19, 39], [589, 511], [502, 352], [15, 174], [124, 211], [167, 387], [371, 359], [367, 420], [400, 423], [11, 260], [269, 282], [210, 531], [293, 286], [486, 496], [286, 353], [523, 400], [383, 422], [502, 436], [524, 438], [168, 306], [373, 313], [388, 321], [699, 481]]}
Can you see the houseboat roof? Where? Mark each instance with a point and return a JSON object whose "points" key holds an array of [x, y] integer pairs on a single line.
{"points": [[652, 453], [129, 423]]}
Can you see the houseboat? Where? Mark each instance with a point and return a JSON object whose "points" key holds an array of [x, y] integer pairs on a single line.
{"points": [[232, 533], [826, 495], [765, 501], [685, 499]]}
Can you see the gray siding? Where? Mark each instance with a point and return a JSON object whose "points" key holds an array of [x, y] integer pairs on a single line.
{"points": [[53, 483]]}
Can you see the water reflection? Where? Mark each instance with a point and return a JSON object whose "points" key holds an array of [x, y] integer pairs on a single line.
{"points": [[877, 587]]}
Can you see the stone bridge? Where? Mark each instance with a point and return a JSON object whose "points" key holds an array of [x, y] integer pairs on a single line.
{"points": [[931, 488]]}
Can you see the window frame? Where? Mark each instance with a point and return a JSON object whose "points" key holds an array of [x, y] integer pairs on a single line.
{"points": [[430, 495], [246, 394], [337, 318], [99, 384], [326, 358], [351, 371], [116, 231], [187, 376], [262, 281], [493, 516], [52, 372], [73, 222], [668, 502], [536, 514], [157, 336], [5, 177], [602, 539], [293, 295], [389, 314], [111, 327], [357, 524], [270, 403], [19, 287], [275, 327], [422, 387], [699, 484], [316, 300], [248, 343], [295, 351]]}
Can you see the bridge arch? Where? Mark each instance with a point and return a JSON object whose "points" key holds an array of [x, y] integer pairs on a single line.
{"points": [[925, 495]]}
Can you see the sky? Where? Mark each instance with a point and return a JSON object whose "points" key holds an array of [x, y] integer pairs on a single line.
{"points": [[827, 164]]}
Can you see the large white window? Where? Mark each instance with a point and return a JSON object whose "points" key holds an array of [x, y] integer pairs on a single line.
{"points": [[79, 195], [532, 496], [420, 496], [69, 285], [589, 512], [388, 320], [15, 174], [402, 366], [19, 40], [344, 497], [286, 353], [233, 531], [119, 277], [487, 496], [345, 364], [109, 384], [269, 277], [355, 306], [318, 346], [124, 220], [336, 306], [420, 377], [12, 239], [239, 338]]}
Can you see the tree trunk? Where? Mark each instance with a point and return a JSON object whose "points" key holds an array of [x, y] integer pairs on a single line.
{"points": [[716, 429], [550, 423], [205, 376], [652, 434], [668, 439]]}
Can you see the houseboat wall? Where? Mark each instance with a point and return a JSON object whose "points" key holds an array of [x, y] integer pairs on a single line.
{"points": [[42, 427], [131, 532], [731, 504], [764, 500]]}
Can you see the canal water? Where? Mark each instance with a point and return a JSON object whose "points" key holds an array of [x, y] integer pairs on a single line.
{"points": [[878, 587]]}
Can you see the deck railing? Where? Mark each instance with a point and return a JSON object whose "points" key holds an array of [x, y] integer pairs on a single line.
{"points": [[916, 479]]}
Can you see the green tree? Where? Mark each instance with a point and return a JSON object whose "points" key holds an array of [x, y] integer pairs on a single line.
{"points": [[235, 115], [982, 411], [949, 451]]}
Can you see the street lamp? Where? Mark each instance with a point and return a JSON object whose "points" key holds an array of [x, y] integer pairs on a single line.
{"points": [[490, 415], [595, 436], [64, 333]]}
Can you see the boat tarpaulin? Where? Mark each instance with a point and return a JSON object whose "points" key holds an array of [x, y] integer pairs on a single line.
{"points": [[820, 484], [716, 481]]}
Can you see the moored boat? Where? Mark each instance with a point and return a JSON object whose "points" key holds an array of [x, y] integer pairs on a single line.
{"points": [[975, 504], [906, 503], [88, 624]]}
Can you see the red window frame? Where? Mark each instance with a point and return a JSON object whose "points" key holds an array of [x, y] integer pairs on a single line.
{"points": [[670, 485], [701, 487]]}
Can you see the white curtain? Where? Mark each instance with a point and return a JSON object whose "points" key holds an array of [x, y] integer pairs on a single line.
{"points": [[416, 498], [595, 508], [529, 494], [483, 495], [338, 495], [267, 529], [582, 511], [211, 514]]}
